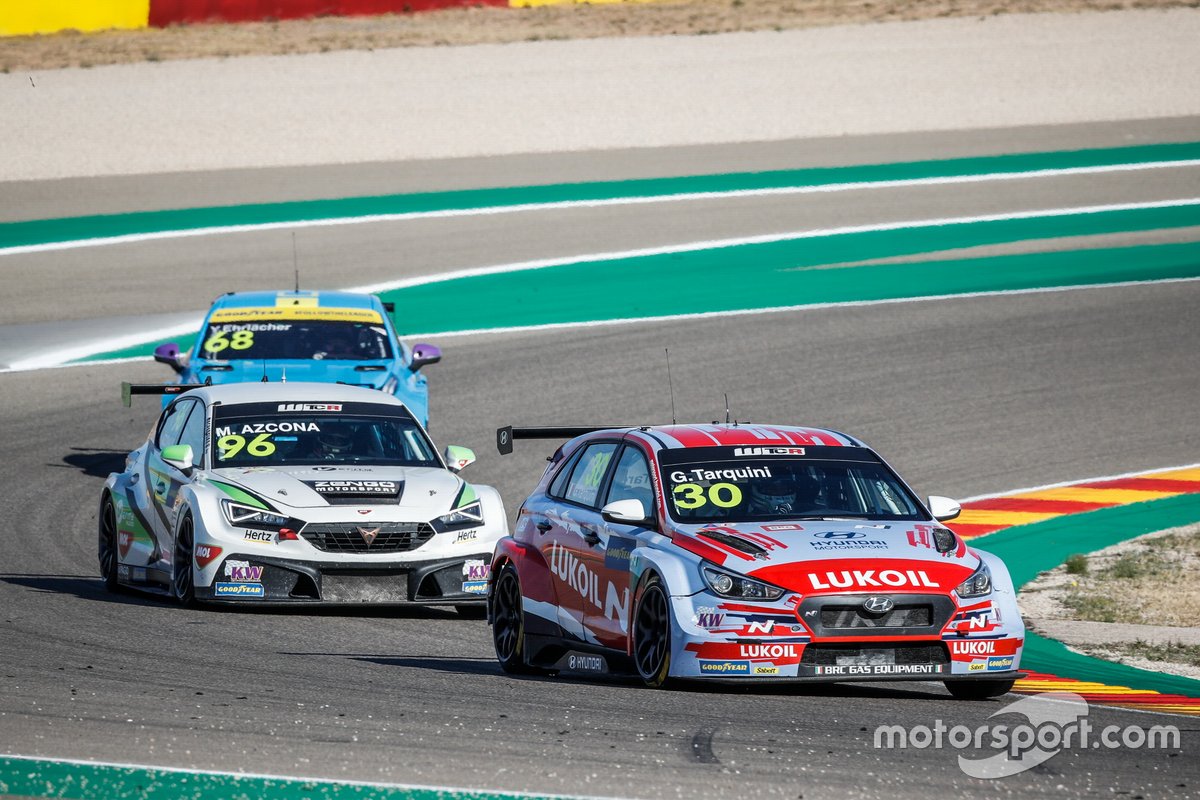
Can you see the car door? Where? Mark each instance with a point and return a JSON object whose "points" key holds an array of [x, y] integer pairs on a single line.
{"points": [[570, 539], [630, 480], [162, 480]]}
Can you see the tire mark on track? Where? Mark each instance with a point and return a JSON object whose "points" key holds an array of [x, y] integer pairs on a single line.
{"points": [[701, 751]]}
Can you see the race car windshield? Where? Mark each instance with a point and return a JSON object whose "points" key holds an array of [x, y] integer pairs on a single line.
{"points": [[287, 434], [304, 340], [740, 484]]}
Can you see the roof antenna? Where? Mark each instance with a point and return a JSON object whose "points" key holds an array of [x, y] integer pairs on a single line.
{"points": [[727, 408], [295, 262], [264, 377], [670, 385]]}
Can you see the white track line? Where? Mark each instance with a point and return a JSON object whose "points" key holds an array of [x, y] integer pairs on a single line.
{"points": [[1060, 485], [34, 364], [771, 238], [615, 201], [60, 357]]}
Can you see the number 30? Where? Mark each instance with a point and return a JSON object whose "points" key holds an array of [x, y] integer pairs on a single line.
{"points": [[722, 495]]}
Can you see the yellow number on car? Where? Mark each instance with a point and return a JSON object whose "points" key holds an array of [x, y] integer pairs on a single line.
{"points": [[693, 496], [722, 495], [260, 446]]}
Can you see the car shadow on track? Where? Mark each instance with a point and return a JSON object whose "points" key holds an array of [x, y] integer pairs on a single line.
{"points": [[94, 462], [87, 588], [460, 666]]}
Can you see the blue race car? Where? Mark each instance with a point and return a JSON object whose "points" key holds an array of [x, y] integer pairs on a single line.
{"points": [[325, 337]]}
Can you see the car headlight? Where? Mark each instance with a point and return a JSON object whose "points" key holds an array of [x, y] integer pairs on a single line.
{"points": [[244, 516], [727, 584], [979, 584], [466, 517]]}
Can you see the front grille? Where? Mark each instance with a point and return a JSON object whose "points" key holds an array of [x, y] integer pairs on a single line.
{"points": [[846, 617], [347, 537], [827, 655]]}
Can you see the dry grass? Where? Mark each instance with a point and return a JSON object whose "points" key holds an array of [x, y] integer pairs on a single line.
{"points": [[500, 25], [1156, 581]]}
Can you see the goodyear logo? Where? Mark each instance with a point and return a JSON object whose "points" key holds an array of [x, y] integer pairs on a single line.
{"points": [[725, 667], [238, 590], [475, 587], [1005, 662]]}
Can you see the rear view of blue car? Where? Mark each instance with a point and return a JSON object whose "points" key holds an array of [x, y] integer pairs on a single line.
{"points": [[327, 337]]}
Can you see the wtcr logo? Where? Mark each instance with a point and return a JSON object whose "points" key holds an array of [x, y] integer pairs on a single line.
{"points": [[1046, 725]]}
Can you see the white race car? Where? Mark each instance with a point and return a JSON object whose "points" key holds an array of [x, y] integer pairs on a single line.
{"points": [[296, 493]]}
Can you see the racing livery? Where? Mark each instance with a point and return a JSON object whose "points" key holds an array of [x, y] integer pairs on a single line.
{"points": [[327, 337], [744, 552], [296, 493]]}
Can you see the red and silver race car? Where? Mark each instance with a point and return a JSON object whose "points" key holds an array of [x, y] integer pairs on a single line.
{"points": [[744, 553]]}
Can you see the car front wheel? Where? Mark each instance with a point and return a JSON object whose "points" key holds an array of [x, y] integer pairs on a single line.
{"points": [[508, 623], [652, 635], [108, 544], [183, 583]]}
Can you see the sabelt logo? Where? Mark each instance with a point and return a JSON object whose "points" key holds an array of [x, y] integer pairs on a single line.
{"points": [[768, 451], [872, 579]]}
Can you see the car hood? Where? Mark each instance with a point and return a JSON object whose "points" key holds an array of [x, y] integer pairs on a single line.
{"points": [[835, 557], [427, 490], [299, 370]]}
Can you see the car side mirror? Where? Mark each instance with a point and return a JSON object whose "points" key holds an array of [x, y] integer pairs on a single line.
{"points": [[626, 512], [423, 355], [458, 457], [179, 456], [943, 508], [169, 354]]}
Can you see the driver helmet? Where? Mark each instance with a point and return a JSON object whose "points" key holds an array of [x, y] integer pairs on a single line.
{"points": [[335, 439], [783, 494]]}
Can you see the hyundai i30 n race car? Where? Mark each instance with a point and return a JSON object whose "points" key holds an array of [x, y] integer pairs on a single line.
{"points": [[296, 493], [744, 553], [328, 337]]}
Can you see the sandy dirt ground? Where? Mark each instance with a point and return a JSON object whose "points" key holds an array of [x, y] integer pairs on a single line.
{"points": [[1141, 612], [487, 25]]}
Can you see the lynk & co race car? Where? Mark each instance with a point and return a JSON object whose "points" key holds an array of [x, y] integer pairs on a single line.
{"points": [[744, 552], [296, 493], [326, 337]]}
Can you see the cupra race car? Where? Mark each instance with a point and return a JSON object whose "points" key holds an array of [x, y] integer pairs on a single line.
{"points": [[744, 553], [327, 337], [296, 493]]}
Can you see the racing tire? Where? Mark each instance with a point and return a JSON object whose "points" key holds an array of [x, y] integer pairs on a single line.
{"points": [[183, 580], [508, 623], [473, 611], [979, 690], [107, 551], [652, 635]]}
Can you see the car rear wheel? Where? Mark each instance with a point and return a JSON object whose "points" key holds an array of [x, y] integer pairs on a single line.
{"points": [[652, 636], [183, 583], [108, 544], [508, 623], [979, 690]]}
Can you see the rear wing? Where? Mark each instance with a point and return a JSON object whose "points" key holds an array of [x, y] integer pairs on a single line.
{"points": [[506, 435], [128, 390]]}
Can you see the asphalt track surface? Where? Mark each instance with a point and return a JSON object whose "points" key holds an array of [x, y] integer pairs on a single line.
{"points": [[964, 397]]}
